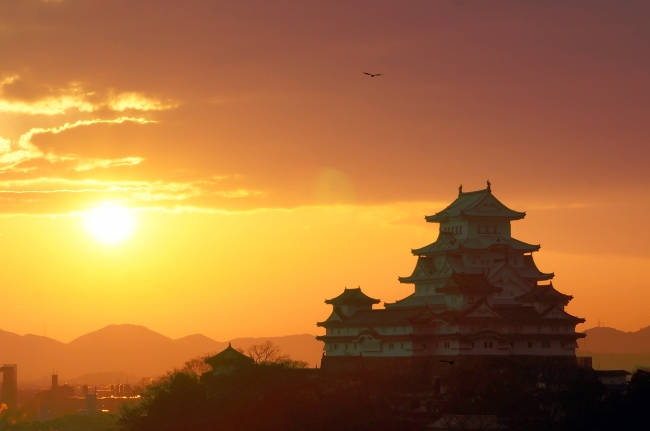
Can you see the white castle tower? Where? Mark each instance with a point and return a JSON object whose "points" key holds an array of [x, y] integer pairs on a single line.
{"points": [[477, 292]]}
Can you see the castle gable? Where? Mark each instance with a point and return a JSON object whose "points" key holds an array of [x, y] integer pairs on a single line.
{"points": [[505, 276], [555, 312], [482, 310]]}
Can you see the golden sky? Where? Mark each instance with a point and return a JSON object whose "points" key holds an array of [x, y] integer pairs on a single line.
{"points": [[265, 172]]}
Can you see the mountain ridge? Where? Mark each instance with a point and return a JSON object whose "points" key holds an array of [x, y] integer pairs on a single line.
{"points": [[130, 349], [136, 350]]}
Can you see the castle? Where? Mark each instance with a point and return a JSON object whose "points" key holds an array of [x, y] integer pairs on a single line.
{"points": [[477, 292]]}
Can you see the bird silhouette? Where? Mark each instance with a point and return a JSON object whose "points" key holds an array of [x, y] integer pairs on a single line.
{"points": [[449, 362], [372, 75]]}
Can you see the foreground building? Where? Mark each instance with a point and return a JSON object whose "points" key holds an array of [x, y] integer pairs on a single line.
{"points": [[477, 291]]}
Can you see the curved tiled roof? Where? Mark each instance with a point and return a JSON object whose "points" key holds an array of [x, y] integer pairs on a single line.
{"points": [[544, 293], [446, 241], [228, 356], [352, 296], [479, 203]]}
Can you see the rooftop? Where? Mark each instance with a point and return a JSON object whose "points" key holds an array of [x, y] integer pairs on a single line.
{"points": [[352, 296], [479, 203]]}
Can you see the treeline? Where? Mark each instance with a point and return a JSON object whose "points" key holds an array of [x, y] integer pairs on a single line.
{"points": [[277, 394], [521, 396], [547, 396]]}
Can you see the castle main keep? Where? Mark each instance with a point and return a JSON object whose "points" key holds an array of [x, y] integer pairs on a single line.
{"points": [[477, 291]]}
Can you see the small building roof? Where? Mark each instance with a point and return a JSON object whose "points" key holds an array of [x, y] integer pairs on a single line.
{"points": [[352, 296], [228, 356], [479, 203]]}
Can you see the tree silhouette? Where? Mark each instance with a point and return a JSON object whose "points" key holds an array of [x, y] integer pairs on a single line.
{"points": [[268, 353]]}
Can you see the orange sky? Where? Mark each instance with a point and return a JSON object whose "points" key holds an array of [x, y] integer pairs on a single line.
{"points": [[266, 172]]}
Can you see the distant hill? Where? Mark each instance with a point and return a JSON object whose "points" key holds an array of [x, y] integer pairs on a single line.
{"points": [[612, 349], [610, 340], [124, 352], [132, 352]]}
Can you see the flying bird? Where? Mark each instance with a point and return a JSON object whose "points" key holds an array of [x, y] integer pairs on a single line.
{"points": [[372, 75], [449, 362]]}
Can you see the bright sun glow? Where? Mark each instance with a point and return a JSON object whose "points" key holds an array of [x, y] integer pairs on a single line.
{"points": [[109, 223]]}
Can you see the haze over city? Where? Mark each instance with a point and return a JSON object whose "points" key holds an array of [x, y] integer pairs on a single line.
{"points": [[254, 170]]}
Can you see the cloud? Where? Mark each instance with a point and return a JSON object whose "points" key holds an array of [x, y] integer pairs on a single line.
{"points": [[25, 150], [138, 191], [18, 96], [139, 102], [89, 164]]}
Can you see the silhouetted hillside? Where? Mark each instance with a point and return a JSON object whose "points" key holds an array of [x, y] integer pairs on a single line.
{"points": [[130, 350], [612, 349], [610, 340]]}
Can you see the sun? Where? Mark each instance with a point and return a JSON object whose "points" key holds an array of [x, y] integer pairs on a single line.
{"points": [[110, 223]]}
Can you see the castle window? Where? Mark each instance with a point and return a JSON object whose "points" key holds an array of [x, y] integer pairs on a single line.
{"points": [[336, 347], [355, 346], [391, 346], [446, 344], [472, 344], [530, 345], [402, 346]]}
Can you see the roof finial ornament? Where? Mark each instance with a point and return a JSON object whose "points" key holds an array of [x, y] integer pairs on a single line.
{"points": [[460, 190], [489, 184]]}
